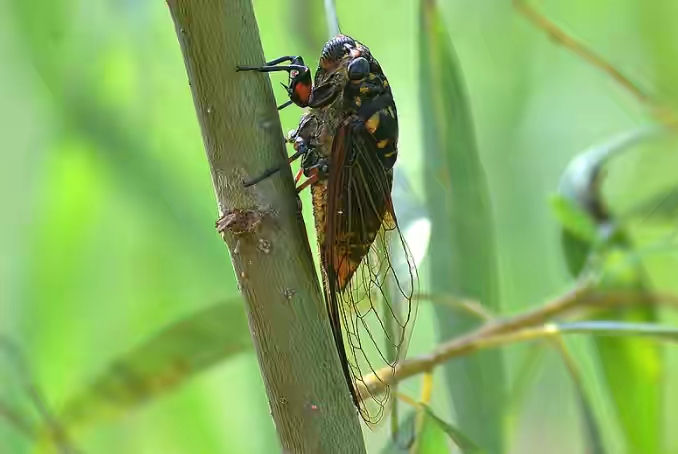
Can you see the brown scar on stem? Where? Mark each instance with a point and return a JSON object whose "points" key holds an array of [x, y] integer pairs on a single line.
{"points": [[239, 222]]}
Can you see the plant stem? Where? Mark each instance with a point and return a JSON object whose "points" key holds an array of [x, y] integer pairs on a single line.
{"points": [[559, 36], [263, 228], [520, 327]]}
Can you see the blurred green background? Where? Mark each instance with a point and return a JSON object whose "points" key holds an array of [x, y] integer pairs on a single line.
{"points": [[106, 231]]}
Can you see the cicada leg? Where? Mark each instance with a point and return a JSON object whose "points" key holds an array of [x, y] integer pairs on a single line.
{"points": [[300, 84], [306, 128]]}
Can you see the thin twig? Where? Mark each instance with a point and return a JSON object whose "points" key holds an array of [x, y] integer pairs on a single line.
{"points": [[473, 307], [509, 330], [558, 35]]}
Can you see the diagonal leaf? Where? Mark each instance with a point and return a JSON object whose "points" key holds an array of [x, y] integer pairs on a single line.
{"points": [[637, 360], [463, 261], [159, 365], [464, 443], [430, 437]]}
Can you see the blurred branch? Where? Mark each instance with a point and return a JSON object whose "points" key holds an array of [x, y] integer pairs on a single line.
{"points": [[263, 228], [518, 328], [472, 307], [558, 35]]}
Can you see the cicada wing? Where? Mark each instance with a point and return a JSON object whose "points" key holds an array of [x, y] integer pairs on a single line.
{"points": [[372, 302]]}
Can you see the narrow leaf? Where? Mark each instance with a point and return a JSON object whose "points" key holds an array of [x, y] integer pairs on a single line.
{"points": [[463, 261], [159, 365], [430, 437], [573, 219], [464, 443]]}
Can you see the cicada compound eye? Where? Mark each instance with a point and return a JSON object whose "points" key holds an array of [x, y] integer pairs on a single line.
{"points": [[358, 69]]}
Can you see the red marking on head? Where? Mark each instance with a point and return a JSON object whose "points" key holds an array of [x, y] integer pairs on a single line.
{"points": [[355, 53], [303, 92]]}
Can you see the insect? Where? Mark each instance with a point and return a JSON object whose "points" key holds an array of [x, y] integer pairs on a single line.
{"points": [[347, 142]]}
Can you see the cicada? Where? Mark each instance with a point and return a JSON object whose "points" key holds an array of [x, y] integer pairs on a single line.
{"points": [[348, 145]]}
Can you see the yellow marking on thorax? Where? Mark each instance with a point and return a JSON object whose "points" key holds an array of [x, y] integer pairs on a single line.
{"points": [[382, 144], [372, 123]]}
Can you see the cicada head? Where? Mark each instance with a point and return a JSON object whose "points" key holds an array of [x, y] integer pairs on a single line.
{"points": [[343, 60], [299, 85]]}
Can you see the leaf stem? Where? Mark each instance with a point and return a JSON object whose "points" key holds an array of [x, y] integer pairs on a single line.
{"points": [[559, 36], [521, 327]]}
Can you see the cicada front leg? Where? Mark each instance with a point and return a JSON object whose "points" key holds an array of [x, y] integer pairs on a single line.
{"points": [[300, 82]]}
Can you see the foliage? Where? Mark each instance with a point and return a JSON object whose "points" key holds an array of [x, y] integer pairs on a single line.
{"points": [[107, 239]]}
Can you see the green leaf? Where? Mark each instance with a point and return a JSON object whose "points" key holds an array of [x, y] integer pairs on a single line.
{"points": [[582, 179], [639, 395], [464, 443], [637, 360], [159, 365], [573, 218], [430, 437], [463, 261]]}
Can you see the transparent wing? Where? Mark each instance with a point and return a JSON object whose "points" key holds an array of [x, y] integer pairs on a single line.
{"points": [[367, 297]]}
